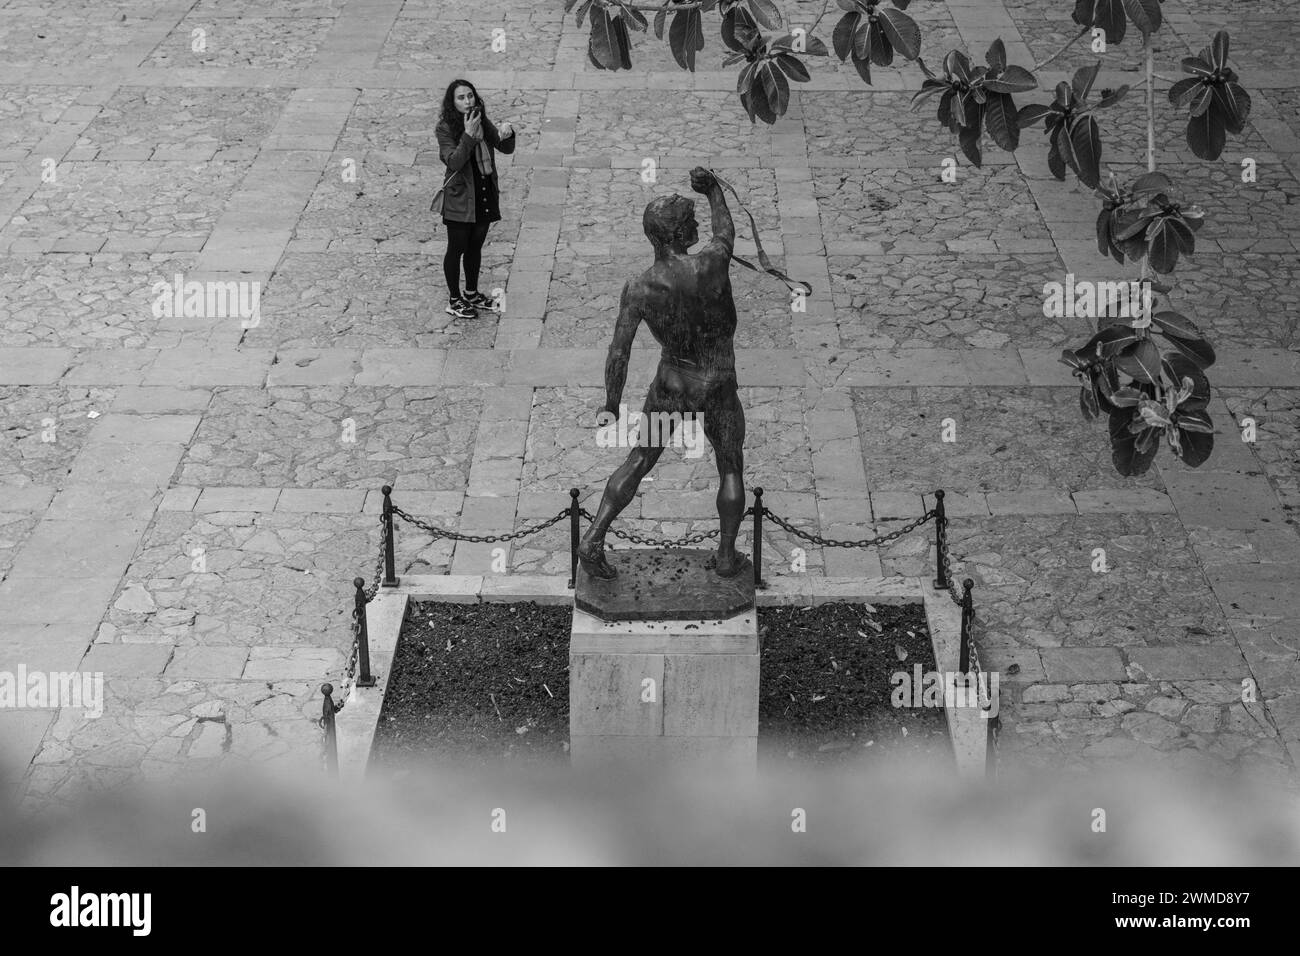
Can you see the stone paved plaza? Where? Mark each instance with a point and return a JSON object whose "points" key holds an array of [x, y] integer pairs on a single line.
{"points": [[184, 502]]}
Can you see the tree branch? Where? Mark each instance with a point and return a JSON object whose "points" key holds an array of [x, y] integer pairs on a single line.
{"points": [[1159, 76], [826, 6], [1075, 39]]}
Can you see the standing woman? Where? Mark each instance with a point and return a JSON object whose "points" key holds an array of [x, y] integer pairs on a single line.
{"points": [[471, 199]]}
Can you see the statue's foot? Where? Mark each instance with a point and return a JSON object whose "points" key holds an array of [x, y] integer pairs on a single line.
{"points": [[727, 565], [593, 561]]}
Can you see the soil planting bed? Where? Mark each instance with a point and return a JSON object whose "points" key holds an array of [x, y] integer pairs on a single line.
{"points": [[487, 682]]}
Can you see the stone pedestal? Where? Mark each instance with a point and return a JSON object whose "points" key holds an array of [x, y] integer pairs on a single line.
{"points": [[672, 689]]}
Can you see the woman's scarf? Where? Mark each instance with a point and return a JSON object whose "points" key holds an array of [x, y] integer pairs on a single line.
{"points": [[483, 156]]}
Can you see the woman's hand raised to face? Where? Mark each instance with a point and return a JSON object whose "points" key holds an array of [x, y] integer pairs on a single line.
{"points": [[474, 124]]}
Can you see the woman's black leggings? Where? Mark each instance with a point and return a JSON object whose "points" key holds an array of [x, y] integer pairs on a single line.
{"points": [[463, 239]]}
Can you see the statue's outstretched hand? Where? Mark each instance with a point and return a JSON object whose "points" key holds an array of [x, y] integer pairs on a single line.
{"points": [[702, 180]]}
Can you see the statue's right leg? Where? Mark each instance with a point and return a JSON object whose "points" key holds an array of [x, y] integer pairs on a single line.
{"points": [[619, 492], [724, 426]]}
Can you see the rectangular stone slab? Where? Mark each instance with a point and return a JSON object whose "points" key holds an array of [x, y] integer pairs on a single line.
{"points": [[705, 684], [605, 694], [710, 695], [733, 635]]}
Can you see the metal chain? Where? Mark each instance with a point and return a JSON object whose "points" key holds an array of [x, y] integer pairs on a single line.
{"points": [[662, 542], [478, 538], [373, 589], [946, 558], [863, 543]]}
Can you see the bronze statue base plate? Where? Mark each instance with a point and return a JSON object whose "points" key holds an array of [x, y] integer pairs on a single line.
{"points": [[668, 584]]}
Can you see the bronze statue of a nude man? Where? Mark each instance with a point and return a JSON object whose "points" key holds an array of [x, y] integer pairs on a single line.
{"points": [[686, 302]]}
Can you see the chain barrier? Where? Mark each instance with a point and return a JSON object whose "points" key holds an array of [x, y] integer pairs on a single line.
{"points": [[836, 543], [478, 538], [373, 588], [695, 538]]}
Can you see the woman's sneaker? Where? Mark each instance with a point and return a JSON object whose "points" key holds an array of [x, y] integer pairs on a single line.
{"points": [[480, 301], [461, 309]]}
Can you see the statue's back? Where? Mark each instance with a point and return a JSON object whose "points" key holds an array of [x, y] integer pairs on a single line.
{"points": [[687, 303]]}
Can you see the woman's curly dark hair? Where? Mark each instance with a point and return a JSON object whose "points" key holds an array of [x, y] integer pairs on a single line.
{"points": [[452, 116]]}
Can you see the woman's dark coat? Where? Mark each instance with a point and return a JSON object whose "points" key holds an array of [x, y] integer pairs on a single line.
{"points": [[458, 197]]}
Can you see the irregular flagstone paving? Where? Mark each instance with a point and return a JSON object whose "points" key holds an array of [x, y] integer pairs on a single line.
{"points": [[214, 513], [283, 8], [329, 437], [1005, 440], [169, 729], [871, 137], [247, 41], [105, 300], [1260, 38], [42, 430], [27, 113], [1045, 30], [1124, 133], [892, 207], [626, 121], [266, 580], [164, 120], [350, 300], [1276, 414], [61, 35], [972, 300], [1037, 587], [422, 43], [147, 201], [1258, 305]]}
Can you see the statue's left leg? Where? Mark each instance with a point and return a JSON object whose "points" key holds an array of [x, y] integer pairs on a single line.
{"points": [[619, 492], [622, 485], [724, 426]]}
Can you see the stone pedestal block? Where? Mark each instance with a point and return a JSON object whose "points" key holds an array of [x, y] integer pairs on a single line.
{"points": [[664, 691]]}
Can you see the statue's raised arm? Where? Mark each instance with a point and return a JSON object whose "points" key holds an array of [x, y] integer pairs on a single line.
{"points": [[724, 230]]}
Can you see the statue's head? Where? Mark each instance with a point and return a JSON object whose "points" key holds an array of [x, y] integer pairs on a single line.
{"points": [[670, 219]]}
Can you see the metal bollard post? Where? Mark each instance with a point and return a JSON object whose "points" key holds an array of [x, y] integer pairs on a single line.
{"points": [[363, 638], [573, 538], [759, 583], [390, 569], [967, 612], [328, 709], [940, 533]]}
